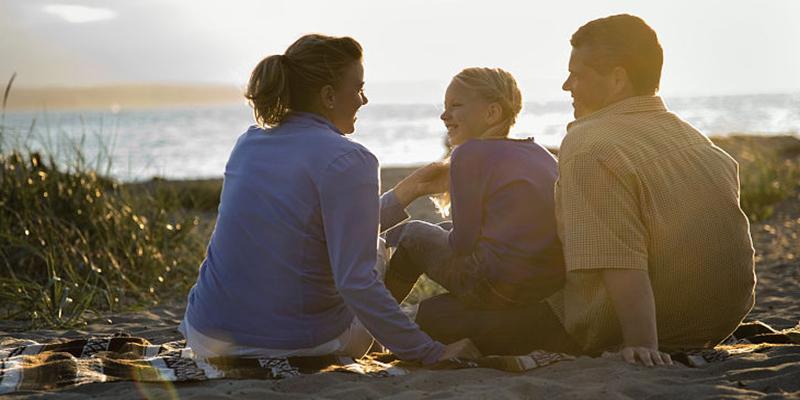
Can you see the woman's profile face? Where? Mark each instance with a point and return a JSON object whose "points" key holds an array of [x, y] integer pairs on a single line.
{"points": [[349, 97], [465, 114]]}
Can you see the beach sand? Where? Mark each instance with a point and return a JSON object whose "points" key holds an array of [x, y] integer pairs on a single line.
{"points": [[773, 373]]}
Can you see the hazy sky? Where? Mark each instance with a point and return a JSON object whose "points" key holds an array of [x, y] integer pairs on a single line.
{"points": [[412, 47]]}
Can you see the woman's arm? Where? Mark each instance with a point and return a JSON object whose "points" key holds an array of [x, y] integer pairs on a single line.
{"points": [[430, 179], [349, 203]]}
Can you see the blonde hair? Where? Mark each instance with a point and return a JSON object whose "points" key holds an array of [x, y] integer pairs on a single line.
{"points": [[288, 82], [496, 86]]}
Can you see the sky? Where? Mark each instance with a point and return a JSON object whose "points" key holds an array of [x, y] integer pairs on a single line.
{"points": [[412, 47]]}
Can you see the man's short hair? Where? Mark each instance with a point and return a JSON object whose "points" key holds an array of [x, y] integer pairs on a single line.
{"points": [[623, 41]]}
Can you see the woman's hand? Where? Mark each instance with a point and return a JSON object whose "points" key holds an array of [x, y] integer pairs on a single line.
{"points": [[430, 179], [463, 348]]}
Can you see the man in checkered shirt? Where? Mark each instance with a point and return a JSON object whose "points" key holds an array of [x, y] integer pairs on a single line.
{"points": [[658, 251]]}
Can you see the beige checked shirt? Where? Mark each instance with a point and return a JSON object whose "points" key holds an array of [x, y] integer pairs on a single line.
{"points": [[640, 188]]}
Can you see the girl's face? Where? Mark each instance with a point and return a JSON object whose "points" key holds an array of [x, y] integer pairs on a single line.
{"points": [[349, 97], [466, 115]]}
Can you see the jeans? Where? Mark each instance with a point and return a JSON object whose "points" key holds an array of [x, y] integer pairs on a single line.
{"points": [[422, 247], [499, 332], [477, 307]]}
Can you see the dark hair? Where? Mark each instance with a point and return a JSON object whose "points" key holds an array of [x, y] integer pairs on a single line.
{"points": [[623, 41], [283, 83]]}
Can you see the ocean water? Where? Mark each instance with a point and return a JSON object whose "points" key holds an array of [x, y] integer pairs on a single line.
{"points": [[189, 143]]}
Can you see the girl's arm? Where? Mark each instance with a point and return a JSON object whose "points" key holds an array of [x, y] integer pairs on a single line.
{"points": [[467, 182]]}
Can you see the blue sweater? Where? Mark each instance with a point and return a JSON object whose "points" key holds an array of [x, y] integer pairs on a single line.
{"points": [[503, 207], [291, 258]]}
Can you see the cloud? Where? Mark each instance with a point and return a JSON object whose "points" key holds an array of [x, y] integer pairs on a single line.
{"points": [[78, 14]]}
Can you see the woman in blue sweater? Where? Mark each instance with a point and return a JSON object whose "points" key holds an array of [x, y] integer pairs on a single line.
{"points": [[289, 267], [502, 252]]}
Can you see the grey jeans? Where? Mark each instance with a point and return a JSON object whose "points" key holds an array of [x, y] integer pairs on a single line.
{"points": [[423, 248]]}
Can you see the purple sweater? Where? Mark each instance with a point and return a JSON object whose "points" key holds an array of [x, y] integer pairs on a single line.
{"points": [[503, 207]]}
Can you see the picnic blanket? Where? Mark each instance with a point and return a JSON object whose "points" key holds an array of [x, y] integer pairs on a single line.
{"points": [[28, 365]]}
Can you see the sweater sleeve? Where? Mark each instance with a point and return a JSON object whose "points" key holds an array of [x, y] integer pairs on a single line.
{"points": [[392, 213], [350, 212], [467, 184]]}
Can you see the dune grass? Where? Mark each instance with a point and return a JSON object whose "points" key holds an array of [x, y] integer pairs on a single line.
{"points": [[768, 181], [75, 244], [72, 241], [768, 170]]}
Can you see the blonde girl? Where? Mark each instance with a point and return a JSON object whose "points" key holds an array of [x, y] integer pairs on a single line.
{"points": [[502, 251]]}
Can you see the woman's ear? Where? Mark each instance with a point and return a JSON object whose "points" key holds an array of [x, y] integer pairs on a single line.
{"points": [[327, 97], [494, 113]]}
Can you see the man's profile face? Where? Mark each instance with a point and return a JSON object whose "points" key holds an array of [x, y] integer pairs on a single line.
{"points": [[590, 90]]}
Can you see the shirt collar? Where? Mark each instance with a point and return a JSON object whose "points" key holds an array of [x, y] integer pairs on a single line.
{"points": [[309, 118], [630, 105]]}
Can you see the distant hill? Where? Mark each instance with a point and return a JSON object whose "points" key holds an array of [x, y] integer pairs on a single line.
{"points": [[121, 96]]}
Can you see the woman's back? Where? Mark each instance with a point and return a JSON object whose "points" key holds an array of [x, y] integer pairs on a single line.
{"points": [[267, 280]]}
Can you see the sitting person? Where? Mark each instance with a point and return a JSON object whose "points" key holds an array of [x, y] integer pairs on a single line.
{"points": [[658, 250], [289, 267], [503, 251]]}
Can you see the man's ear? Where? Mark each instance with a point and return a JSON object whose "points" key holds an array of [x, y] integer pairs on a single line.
{"points": [[494, 113], [622, 82], [327, 97]]}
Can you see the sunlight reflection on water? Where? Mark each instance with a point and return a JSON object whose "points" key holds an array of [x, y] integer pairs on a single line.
{"points": [[195, 142]]}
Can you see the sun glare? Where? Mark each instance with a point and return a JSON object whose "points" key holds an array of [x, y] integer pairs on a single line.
{"points": [[78, 14]]}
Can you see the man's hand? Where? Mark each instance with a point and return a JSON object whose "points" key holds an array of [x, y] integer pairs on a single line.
{"points": [[430, 179], [631, 294], [463, 348], [647, 356]]}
